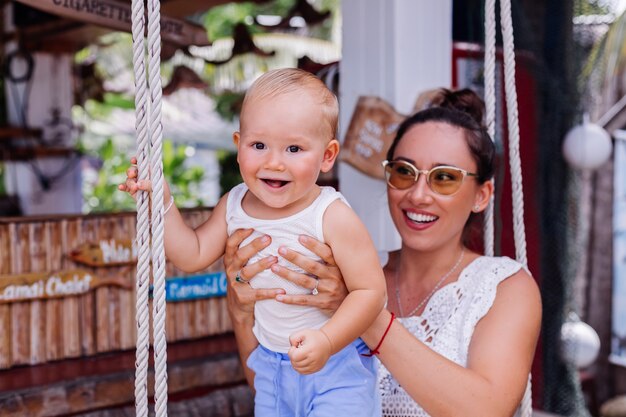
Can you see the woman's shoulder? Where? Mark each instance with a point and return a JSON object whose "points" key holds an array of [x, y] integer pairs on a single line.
{"points": [[491, 274], [507, 276], [496, 268], [501, 286]]}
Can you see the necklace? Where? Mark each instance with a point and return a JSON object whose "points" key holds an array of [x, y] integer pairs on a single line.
{"points": [[435, 288]]}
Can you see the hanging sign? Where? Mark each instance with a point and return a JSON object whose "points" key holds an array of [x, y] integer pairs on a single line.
{"points": [[116, 15], [370, 133], [105, 253], [22, 287], [195, 287]]}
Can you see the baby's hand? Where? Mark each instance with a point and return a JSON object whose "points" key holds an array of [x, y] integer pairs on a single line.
{"points": [[310, 350], [131, 185]]}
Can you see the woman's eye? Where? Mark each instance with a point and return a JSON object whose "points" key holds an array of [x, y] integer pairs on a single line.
{"points": [[293, 148], [444, 176], [258, 145], [402, 170]]}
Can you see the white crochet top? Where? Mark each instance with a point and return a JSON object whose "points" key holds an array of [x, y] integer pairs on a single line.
{"points": [[447, 324]]}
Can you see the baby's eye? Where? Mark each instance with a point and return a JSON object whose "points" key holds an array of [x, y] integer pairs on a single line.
{"points": [[258, 145], [294, 148]]}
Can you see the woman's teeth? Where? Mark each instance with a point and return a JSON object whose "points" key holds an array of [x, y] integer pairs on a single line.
{"points": [[421, 218]]}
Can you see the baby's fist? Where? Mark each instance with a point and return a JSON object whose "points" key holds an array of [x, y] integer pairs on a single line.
{"points": [[310, 350]]}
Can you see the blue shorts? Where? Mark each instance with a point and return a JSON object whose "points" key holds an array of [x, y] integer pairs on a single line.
{"points": [[345, 386]]}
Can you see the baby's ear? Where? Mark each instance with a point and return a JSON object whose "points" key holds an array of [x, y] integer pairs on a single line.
{"points": [[236, 137], [330, 155]]}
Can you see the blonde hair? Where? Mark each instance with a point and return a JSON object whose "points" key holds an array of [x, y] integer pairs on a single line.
{"points": [[286, 80]]}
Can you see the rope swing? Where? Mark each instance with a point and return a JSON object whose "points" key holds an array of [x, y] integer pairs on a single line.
{"points": [[519, 233], [150, 250]]}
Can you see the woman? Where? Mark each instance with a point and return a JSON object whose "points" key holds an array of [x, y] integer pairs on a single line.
{"points": [[467, 324]]}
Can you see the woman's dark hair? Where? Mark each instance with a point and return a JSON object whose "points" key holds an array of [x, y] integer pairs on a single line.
{"points": [[463, 109]]}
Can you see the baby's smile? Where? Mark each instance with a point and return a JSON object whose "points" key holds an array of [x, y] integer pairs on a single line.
{"points": [[274, 183]]}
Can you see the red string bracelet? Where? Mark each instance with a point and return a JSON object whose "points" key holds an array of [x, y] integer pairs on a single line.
{"points": [[375, 350]]}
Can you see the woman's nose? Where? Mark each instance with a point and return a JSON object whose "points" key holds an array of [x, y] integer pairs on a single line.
{"points": [[420, 191]]}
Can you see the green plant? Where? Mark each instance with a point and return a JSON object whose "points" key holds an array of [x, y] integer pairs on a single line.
{"points": [[101, 193]]}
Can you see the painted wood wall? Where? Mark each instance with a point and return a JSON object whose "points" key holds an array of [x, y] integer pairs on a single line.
{"points": [[102, 320]]}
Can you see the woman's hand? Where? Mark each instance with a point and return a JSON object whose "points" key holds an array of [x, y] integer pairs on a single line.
{"points": [[331, 289], [241, 297]]}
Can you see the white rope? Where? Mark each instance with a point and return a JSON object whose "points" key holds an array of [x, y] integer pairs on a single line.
{"points": [[149, 231], [514, 158], [156, 174], [142, 315], [514, 138], [489, 77]]}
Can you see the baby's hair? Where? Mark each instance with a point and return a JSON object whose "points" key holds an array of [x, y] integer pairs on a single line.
{"points": [[286, 80]]}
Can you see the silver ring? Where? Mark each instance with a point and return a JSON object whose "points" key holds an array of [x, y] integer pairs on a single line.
{"points": [[314, 291], [238, 278]]}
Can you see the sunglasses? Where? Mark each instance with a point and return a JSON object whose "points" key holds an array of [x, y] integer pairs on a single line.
{"points": [[442, 180]]}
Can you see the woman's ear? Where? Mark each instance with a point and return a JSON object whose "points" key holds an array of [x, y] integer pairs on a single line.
{"points": [[483, 195], [330, 155]]}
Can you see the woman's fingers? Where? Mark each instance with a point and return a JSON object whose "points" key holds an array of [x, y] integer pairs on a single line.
{"points": [[266, 294], [243, 296], [304, 300], [236, 258], [311, 266], [232, 245], [297, 278], [249, 271], [320, 249]]}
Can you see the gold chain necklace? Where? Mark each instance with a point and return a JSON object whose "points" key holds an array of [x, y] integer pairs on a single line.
{"points": [[435, 288]]}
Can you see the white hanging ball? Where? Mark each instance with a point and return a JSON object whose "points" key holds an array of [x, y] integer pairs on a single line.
{"points": [[587, 146], [580, 344]]}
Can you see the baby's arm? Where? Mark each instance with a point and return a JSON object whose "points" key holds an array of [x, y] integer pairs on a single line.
{"points": [[190, 250], [357, 259]]}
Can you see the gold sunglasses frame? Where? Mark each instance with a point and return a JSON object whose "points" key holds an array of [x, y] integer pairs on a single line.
{"points": [[426, 173]]}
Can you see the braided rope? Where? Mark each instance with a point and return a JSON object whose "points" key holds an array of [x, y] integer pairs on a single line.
{"points": [[149, 163], [490, 109], [514, 157], [142, 315], [514, 137], [156, 172]]}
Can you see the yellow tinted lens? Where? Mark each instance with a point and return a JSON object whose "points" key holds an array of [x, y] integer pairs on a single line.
{"points": [[445, 181], [400, 175]]}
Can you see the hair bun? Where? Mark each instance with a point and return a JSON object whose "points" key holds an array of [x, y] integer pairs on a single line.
{"points": [[465, 100]]}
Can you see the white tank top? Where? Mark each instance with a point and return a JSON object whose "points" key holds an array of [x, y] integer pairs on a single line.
{"points": [[275, 321], [447, 325]]}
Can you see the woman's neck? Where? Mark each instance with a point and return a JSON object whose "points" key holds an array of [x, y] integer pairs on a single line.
{"points": [[425, 267]]}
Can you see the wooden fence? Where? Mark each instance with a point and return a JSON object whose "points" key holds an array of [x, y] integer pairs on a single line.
{"points": [[101, 320]]}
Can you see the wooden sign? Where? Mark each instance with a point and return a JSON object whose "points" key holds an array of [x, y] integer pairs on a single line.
{"points": [[370, 133], [195, 287], [116, 15], [106, 253], [52, 285]]}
